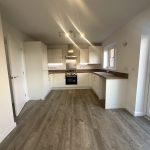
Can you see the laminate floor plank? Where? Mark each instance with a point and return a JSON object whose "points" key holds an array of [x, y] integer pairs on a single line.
{"points": [[76, 120]]}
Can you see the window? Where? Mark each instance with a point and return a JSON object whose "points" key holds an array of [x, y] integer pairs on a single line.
{"points": [[112, 58], [109, 58]]}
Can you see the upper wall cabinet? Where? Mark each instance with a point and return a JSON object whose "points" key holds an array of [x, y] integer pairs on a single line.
{"points": [[95, 55], [84, 56], [54, 55]]}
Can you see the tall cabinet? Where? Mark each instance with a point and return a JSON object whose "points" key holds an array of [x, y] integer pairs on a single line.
{"points": [[36, 69]]}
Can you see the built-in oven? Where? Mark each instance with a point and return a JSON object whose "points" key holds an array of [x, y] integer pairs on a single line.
{"points": [[71, 79]]}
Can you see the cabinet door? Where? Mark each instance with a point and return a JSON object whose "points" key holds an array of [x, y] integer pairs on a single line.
{"points": [[84, 56], [115, 93], [50, 81], [59, 80], [54, 55], [83, 79], [95, 55], [98, 86], [91, 80]]}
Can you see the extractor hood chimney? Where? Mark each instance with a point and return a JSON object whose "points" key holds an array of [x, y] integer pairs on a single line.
{"points": [[70, 52]]}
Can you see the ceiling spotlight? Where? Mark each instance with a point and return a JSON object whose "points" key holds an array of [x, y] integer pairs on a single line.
{"points": [[67, 34], [82, 34]]}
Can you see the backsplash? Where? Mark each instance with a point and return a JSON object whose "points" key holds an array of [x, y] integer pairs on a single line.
{"points": [[79, 66]]}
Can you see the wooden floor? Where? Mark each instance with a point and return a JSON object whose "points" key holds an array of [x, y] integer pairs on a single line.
{"points": [[76, 120]]}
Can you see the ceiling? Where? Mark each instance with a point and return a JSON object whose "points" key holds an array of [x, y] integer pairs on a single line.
{"points": [[98, 19]]}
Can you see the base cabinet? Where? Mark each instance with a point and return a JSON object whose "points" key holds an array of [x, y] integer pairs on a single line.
{"points": [[50, 81], [115, 93], [58, 81], [98, 85], [83, 80]]}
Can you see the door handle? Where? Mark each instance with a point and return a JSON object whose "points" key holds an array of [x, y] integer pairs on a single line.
{"points": [[14, 77]]}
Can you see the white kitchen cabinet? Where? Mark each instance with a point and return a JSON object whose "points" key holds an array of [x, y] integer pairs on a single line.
{"points": [[54, 55], [36, 69], [84, 56], [93, 82], [99, 86], [95, 55], [50, 81], [115, 93], [83, 80], [97, 83], [59, 80]]}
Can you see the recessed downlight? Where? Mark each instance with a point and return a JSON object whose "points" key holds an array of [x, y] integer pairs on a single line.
{"points": [[67, 34], [82, 35]]}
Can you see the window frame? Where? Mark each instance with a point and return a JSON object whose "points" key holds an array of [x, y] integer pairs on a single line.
{"points": [[107, 60]]}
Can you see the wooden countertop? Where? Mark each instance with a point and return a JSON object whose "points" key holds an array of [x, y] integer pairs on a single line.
{"points": [[78, 71], [108, 75], [99, 72]]}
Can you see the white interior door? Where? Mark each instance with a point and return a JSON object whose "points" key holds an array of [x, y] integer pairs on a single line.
{"points": [[15, 53]]}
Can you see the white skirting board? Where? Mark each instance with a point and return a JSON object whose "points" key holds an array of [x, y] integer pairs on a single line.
{"points": [[139, 114], [136, 114], [7, 131]]}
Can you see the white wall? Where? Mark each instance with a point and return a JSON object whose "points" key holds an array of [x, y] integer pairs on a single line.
{"points": [[6, 112], [128, 56]]}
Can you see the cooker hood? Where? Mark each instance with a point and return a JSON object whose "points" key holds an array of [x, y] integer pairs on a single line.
{"points": [[70, 52]]}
